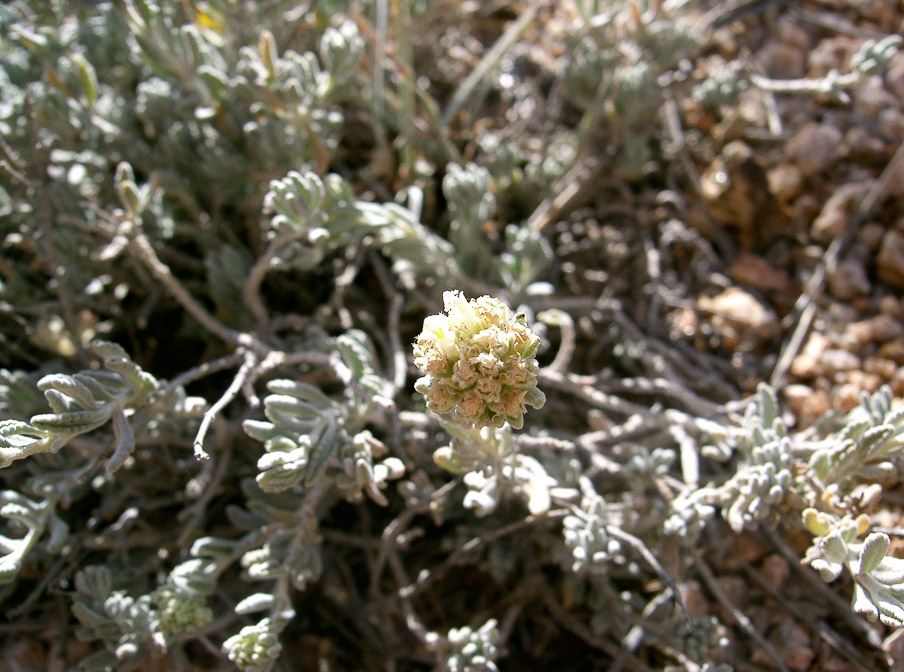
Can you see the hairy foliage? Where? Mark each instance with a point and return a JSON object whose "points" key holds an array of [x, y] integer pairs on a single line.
{"points": [[204, 202]]}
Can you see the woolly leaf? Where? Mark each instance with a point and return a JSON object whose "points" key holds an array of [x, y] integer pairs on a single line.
{"points": [[875, 547], [254, 603]]}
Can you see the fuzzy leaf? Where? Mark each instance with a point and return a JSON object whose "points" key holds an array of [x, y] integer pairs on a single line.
{"points": [[77, 422], [259, 430], [99, 662], [254, 603], [94, 581], [59, 534], [863, 605], [19, 439], [212, 547], [298, 390], [71, 387], [890, 571], [875, 547]]}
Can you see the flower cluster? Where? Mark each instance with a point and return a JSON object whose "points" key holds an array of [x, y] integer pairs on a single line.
{"points": [[255, 647], [467, 649], [479, 361], [180, 613]]}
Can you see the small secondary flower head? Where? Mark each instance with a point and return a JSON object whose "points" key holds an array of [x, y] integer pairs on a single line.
{"points": [[479, 362]]}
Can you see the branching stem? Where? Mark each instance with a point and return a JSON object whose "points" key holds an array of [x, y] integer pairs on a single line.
{"points": [[244, 372]]}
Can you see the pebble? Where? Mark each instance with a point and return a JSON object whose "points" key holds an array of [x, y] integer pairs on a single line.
{"points": [[891, 124], [848, 279], [815, 148], [740, 319], [807, 404], [734, 187], [878, 329], [832, 53], [695, 599], [746, 548], [789, 31], [893, 350], [894, 76], [871, 98], [735, 589], [792, 642], [845, 398], [836, 360], [870, 235], [783, 61], [894, 647], [840, 314], [753, 270], [890, 260], [863, 145], [895, 185], [831, 662], [807, 363], [863, 381], [880, 12], [838, 210], [897, 382], [883, 368], [785, 181], [890, 305], [775, 570]]}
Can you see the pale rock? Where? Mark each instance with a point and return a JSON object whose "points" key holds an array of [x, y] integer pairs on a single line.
{"points": [[838, 210], [684, 323], [750, 109], [845, 398], [863, 381], [883, 368], [807, 405], [836, 360], [815, 148], [735, 189], [878, 329], [785, 181], [740, 318], [807, 363]]}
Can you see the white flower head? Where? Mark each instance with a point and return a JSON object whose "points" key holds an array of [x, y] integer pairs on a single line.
{"points": [[479, 362]]}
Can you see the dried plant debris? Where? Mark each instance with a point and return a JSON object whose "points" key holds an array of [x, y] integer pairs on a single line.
{"points": [[359, 335]]}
